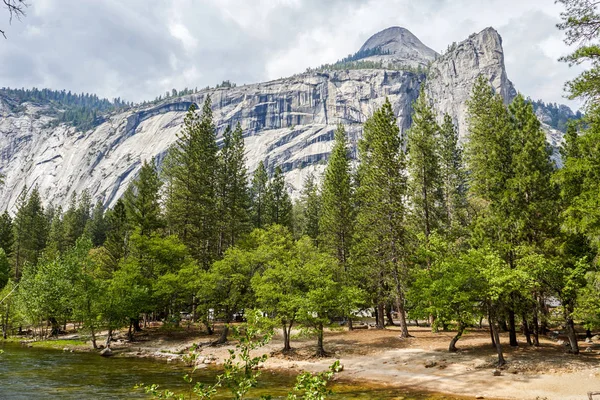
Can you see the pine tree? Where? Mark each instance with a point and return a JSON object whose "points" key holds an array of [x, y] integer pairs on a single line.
{"points": [[489, 150], [191, 185], [278, 202], [258, 191], [30, 231], [76, 218], [337, 215], [56, 235], [117, 236], [233, 195], [311, 208], [380, 238], [425, 180], [142, 200], [6, 234], [453, 176], [96, 227]]}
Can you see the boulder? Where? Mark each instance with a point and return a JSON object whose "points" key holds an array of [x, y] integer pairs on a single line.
{"points": [[107, 352]]}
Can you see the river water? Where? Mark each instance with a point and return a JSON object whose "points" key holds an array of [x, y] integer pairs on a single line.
{"points": [[34, 373]]}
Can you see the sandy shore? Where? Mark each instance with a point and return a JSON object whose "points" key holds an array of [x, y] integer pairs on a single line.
{"points": [[421, 363]]}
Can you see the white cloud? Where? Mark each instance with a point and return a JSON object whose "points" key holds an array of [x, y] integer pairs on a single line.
{"points": [[137, 50]]}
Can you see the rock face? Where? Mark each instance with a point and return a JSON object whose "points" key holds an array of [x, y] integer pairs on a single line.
{"points": [[403, 47], [451, 76], [287, 122]]}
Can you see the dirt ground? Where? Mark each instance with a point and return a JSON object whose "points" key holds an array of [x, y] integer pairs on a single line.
{"points": [[381, 357]]}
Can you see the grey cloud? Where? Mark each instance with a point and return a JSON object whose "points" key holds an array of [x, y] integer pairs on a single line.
{"points": [[137, 49]]}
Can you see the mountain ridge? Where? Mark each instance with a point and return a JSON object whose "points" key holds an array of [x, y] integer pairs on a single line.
{"points": [[288, 122]]}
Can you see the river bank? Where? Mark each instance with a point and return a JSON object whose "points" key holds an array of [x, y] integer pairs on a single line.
{"points": [[382, 359]]}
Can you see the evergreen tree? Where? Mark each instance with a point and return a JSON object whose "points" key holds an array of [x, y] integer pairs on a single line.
{"points": [[337, 215], [425, 180], [6, 234], [233, 195], [116, 237], [30, 231], [76, 218], [311, 207], [278, 202], [380, 239], [56, 235], [191, 173], [260, 181], [96, 227], [142, 200], [453, 177]]}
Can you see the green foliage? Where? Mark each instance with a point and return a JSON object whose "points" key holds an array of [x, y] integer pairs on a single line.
{"points": [[6, 233], [30, 228], [258, 193], [337, 211], [82, 111], [4, 269], [232, 189], [314, 387], [380, 242], [142, 200], [278, 204], [311, 208], [581, 21], [425, 183], [191, 174]]}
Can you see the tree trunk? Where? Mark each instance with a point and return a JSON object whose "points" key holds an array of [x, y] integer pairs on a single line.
{"points": [[209, 329], [501, 360], [223, 338], [5, 323], [55, 326], [108, 338], [320, 349], [350, 327], [94, 344], [380, 315], [571, 330], [536, 328], [130, 331], [526, 330], [402, 316], [491, 330], [136, 324], [512, 328], [544, 322], [461, 329], [286, 337], [388, 314]]}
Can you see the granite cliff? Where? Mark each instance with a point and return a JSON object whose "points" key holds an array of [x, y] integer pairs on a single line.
{"points": [[287, 122]]}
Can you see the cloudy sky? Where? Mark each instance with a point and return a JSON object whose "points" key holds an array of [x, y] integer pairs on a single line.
{"points": [[138, 49]]}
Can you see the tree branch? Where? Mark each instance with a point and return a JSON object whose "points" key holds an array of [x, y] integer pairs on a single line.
{"points": [[16, 9]]}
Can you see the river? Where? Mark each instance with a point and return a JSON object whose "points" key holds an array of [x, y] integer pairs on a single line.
{"points": [[35, 373]]}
